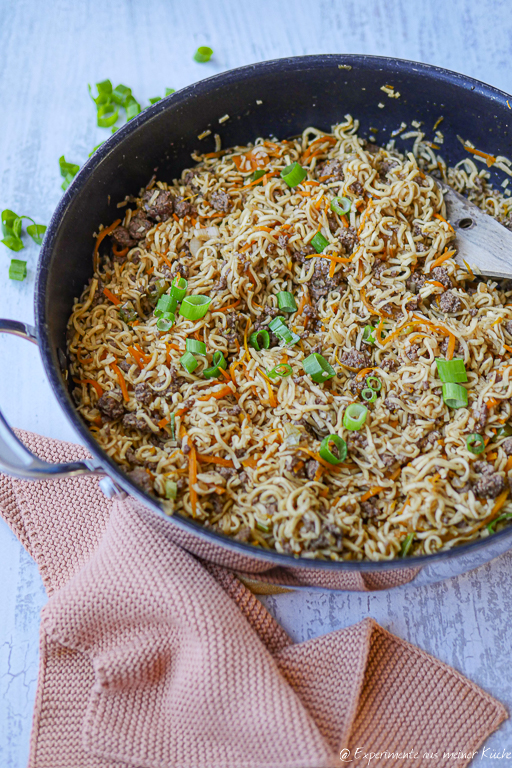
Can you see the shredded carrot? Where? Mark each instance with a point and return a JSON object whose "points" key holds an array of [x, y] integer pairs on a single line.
{"points": [[139, 357], [492, 456], [492, 402], [451, 347], [378, 331], [436, 283], [122, 382], [206, 459], [318, 474], [97, 387], [111, 296], [229, 306], [319, 202], [196, 334], [372, 492], [496, 322], [119, 253], [81, 359], [508, 465], [245, 338], [364, 216], [315, 143], [500, 501], [364, 372], [163, 423], [490, 159], [509, 349], [370, 307], [217, 395], [174, 346], [317, 457], [446, 255], [263, 180], [192, 478], [470, 271], [99, 239], [98, 421]]}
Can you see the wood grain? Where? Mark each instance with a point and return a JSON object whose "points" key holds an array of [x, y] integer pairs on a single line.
{"points": [[49, 52]]}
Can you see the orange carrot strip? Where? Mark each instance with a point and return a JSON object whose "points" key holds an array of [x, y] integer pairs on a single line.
{"points": [[451, 347], [446, 255], [97, 387], [492, 402], [509, 349], [229, 306], [217, 395], [508, 465], [369, 306], [490, 159], [205, 459], [438, 216], [315, 143], [372, 492], [251, 463], [102, 235], [118, 252], [122, 382], [437, 284], [364, 372], [263, 180], [111, 296], [139, 357], [318, 458], [163, 423], [192, 477]]}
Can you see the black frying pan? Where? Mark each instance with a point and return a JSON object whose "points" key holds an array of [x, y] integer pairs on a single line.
{"points": [[294, 93]]}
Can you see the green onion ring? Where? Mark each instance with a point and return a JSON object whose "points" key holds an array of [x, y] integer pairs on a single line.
{"points": [[166, 322], [455, 396], [475, 443], [326, 454], [256, 343], [102, 117], [406, 544], [341, 205], [452, 371], [505, 516], [195, 307], [286, 301], [218, 362], [171, 489], [293, 174], [369, 395], [179, 288], [189, 362], [318, 368], [282, 369], [195, 347], [354, 416], [203, 54], [378, 383], [319, 242]]}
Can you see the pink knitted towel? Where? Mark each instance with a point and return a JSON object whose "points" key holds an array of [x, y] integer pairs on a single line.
{"points": [[155, 659]]}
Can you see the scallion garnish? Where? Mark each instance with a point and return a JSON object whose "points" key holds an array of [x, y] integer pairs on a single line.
{"points": [[500, 519], [195, 307], [203, 54], [369, 395], [368, 336], [281, 330], [11, 229], [165, 304], [260, 340], [374, 383], [282, 370], [286, 301], [319, 242], [293, 174], [189, 362], [454, 395], [173, 426], [218, 362], [17, 270], [68, 171], [475, 443], [406, 544], [166, 321], [155, 290], [171, 489], [354, 416], [127, 313], [326, 453], [505, 431], [132, 108], [318, 368], [258, 175], [154, 99], [341, 205], [121, 94], [169, 91], [104, 93], [195, 347], [179, 288], [107, 115], [451, 371]]}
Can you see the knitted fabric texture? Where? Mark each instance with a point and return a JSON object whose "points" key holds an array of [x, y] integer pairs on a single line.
{"points": [[152, 658]]}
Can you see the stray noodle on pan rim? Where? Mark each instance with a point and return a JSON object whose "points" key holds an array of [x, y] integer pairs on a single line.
{"points": [[239, 452]]}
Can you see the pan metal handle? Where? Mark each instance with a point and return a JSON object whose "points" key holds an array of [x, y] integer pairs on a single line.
{"points": [[17, 460]]}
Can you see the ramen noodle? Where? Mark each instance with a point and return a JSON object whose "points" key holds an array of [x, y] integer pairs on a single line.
{"points": [[376, 299]]}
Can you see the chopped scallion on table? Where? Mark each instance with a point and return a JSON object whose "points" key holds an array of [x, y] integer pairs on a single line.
{"points": [[203, 54], [17, 270], [68, 171]]}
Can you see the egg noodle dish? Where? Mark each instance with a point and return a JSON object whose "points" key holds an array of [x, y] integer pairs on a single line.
{"points": [[281, 345]]}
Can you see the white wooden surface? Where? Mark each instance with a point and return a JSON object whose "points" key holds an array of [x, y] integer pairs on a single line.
{"points": [[48, 53]]}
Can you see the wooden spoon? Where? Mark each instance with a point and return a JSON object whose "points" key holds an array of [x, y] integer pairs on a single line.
{"points": [[482, 242]]}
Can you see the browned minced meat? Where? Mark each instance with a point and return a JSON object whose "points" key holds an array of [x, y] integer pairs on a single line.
{"points": [[320, 283], [221, 284], [189, 180], [161, 208], [333, 169], [311, 468], [347, 237], [316, 432], [441, 275], [141, 478], [331, 537], [310, 311], [392, 405], [111, 404], [182, 207], [143, 393], [389, 460], [132, 421], [508, 327], [301, 255], [356, 440], [232, 324], [369, 510], [390, 364], [507, 446], [355, 359], [429, 440], [415, 282], [449, 302], [357, 188], [122, 237], [412, 352], [481, 415], [139, 226], [220, 201], [385, 167], [296, 465], [124, 366], [282, 240], [489, 486], [483, 468]]}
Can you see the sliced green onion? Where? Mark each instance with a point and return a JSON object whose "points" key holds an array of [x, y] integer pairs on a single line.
{"points": [[319, 242], [318, 368], [179, 288], [281, 330], [475, 443], [127, 313], [36, 232], [165, 304], [406, 544], [504, 431], [374, 383], [195, 307], [258, 174], [17, 270], [169, 91], [68, 171], [155, 290], [283, 370], [293, 174], [218, 362], [95, 148], [341, 205], [325, 452], [11, 228], [286, 301], [173, 426], [107, 115], [189, 362], [104, 92], [154, 99], [195, 346], [121, 94], [203, 54], [505, 516], [354, 416], [454, 395], [368, 336], [171, 489], [451, 371], [369, 395], [166, 322], [132, 107], [260, 340]]}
